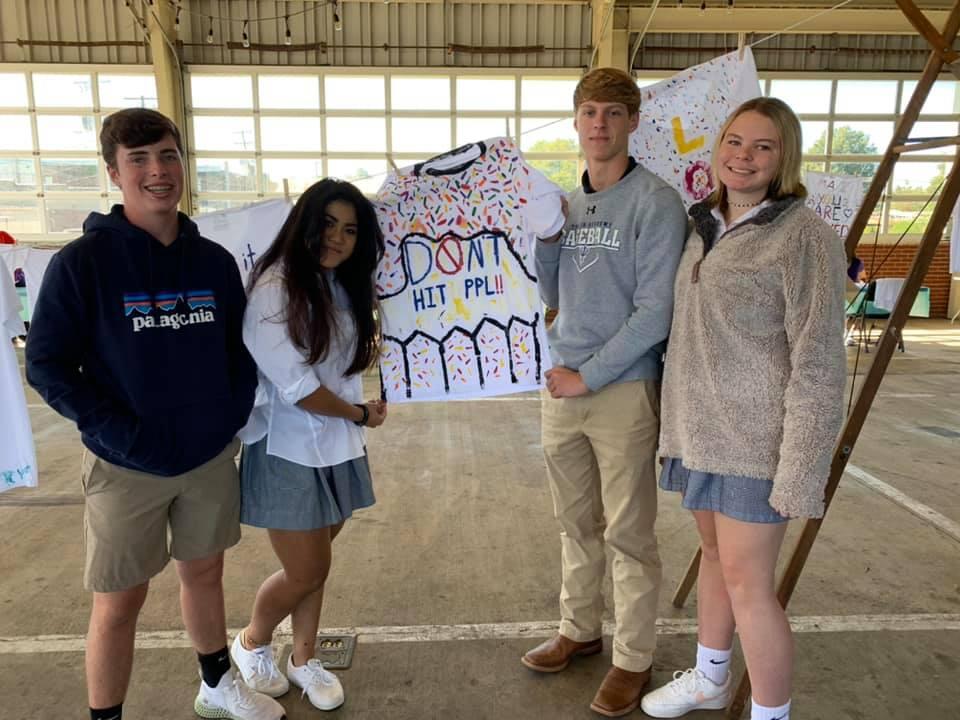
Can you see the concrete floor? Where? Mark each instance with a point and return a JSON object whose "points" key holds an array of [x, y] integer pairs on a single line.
{"points": [[454, 573]]}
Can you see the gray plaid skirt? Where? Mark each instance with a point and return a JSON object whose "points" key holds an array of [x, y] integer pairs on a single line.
{"points": [[741, 498], [284, 495]]}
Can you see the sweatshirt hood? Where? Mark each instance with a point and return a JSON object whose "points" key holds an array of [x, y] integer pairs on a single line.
{"points": [[116, 222]]}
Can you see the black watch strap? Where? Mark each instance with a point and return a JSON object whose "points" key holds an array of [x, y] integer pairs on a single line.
{"points": [[366, 415]]}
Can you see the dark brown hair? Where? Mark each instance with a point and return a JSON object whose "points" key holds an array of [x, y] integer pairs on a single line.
{"points": [[309, 311], [608, 85], [135, 127]]}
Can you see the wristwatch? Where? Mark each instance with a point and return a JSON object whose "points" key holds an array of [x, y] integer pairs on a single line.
{"points": [[366, 415]]}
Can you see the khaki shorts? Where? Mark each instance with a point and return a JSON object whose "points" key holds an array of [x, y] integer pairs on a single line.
{"points": [[134, 522]]}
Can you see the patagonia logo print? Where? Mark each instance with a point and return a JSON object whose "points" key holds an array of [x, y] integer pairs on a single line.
{"points": [[165, 309]]}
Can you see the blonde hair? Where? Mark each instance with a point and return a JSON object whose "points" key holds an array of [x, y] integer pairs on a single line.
{"points": [[608, 85], [787, 180]]}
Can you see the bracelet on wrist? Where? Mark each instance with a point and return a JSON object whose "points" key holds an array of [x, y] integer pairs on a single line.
{"points": [[366, 415]]}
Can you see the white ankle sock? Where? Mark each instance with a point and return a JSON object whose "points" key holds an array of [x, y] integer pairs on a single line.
{"points": [[759, 712], [713, 663]]}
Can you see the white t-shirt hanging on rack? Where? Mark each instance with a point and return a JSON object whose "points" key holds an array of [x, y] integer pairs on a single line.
{"points": [[247, 232], [34, 269], [18, 462]]}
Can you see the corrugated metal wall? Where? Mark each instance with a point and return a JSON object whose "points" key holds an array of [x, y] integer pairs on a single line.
{"points": [[403, 34], [805, 53], [372, 33]]}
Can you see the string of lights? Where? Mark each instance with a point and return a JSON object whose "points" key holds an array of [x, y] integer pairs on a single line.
{"points": [[244, 22]]}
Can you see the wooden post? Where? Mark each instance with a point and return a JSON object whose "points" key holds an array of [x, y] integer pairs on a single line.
{"points": [[689, 578]]}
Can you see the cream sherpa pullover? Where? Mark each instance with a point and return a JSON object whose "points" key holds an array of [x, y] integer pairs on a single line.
{"points": [[755, 366]]}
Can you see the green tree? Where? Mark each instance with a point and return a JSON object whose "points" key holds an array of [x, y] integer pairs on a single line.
{"points": [[561, 171], [847, 141]]}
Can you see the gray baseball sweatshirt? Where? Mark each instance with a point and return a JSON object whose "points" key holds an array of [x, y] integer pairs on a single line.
{"points": [[611, 278]]}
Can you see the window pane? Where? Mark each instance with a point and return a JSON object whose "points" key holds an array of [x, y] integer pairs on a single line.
{"points": [[476, 129], [942, 98], [205, 205], [20, 216], [804, 96], [72, 174], [15, 132], [421, 134], [357, 134], [814, 137], [861, 138], [547, 93], [290, 91], [475, 93], [907, 217], [866, 170], [123, 91], [866, 96], [644, 82], [354, 93], [221, 91], [368, 175], [932, 131], [17, 175], [220, 175], [814, 166], [62, 90], [282, 133], [223, 133], [66, 215], [548, 135], [921, 178], [420, 93], [66, 132], [13, 90], [299, 174], [562, 172]]}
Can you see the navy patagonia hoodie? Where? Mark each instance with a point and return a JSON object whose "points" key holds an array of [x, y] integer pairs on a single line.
{"points": [[140, 344]]}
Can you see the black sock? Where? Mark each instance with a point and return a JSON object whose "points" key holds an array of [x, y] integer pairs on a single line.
{"points": [[214, 666], [110, 713]]}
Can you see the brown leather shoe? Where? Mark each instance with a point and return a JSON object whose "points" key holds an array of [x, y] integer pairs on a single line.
{"points": [[619, 692], [554, 655]]}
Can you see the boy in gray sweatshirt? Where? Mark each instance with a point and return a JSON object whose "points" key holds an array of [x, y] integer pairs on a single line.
{"points": [[610, 274]]}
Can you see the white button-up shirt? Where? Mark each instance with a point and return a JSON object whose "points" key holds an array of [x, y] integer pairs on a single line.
{"points": [[724, 228], [293, 433]]}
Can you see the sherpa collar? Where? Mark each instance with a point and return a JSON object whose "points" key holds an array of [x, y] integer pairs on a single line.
{"points": [[707, 226]]}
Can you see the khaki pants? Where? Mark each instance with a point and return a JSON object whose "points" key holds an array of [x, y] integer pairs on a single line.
{"points": [[600, 451]]}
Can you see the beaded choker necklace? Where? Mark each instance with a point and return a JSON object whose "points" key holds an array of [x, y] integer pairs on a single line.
{"points": [[744, 205]]}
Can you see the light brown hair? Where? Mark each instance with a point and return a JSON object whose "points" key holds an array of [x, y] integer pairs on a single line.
{"points": [[608, 85], [787, 180]]}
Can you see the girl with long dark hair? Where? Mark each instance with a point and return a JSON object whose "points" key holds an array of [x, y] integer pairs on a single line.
{"points": [[311, 327]]}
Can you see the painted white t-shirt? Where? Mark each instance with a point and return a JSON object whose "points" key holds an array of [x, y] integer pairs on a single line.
{"points": [[460, 310], [18, 461]]}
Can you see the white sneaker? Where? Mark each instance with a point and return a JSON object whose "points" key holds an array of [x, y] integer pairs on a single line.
{"points": [[232, 700], [689, 690], [258, 668], [319, 684]]}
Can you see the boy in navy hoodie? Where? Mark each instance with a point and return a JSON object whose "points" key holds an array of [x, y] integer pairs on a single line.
{"points": [[136, 337]]}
